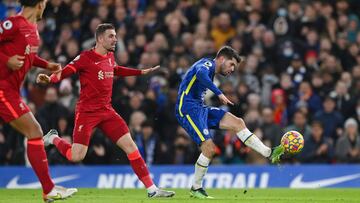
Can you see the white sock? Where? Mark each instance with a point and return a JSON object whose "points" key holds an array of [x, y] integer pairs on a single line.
{"points": [[201, 168], [152, 189], [252, 141], [51, 138]]}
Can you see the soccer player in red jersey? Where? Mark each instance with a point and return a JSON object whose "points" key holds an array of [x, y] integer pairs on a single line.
{"points": [[19, 42], [96, 69]]}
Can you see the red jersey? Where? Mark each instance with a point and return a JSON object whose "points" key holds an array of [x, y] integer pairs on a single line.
{"points": [[96, 74], [18, 37]]}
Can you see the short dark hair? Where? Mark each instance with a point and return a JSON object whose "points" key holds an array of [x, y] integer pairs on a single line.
{"points": [[29, 3], [147, 123], [229, 53], [101, 28], [317, 123]]}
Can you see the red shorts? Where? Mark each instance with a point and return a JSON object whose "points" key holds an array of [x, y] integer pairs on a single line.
{"points": [[111, 124], [11, 106]]}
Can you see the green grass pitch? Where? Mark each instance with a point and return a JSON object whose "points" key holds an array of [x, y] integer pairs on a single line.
{"points": [[182, 196]]}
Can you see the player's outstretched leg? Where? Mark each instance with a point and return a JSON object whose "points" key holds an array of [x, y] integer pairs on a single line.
{"points": [[138, 164], [231, 122], [74, 153], [28, 126], [52, 137], [201, 167]]}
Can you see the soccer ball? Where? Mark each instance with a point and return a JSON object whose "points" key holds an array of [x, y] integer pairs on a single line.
{"points": [[293, 142]]}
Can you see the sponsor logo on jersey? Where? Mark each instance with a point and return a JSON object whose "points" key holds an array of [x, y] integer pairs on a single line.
{"points": [[105, 74]]}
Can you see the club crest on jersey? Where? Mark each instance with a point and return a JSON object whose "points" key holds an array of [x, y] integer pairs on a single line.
{"points": [[27, 49], [208, 64], [80, 128], [101, 75]]}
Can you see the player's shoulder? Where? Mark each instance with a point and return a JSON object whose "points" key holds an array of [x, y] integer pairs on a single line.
{"points": [[80, 58], [11, 22], [13, 18], [205, 63]]}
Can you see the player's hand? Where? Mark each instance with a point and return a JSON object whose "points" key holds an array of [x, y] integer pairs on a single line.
{"points": [[224, 99], [15, 62], [53, 67], [149, 70], [43, 79]]}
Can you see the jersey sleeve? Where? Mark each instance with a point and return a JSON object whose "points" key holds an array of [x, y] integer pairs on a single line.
{"points": [[203, 76], [124, 71], [73, 67], [8, 30], [40, 62]]}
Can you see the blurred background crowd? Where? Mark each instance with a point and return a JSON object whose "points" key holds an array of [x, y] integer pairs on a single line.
{"points": [[302, 72]]}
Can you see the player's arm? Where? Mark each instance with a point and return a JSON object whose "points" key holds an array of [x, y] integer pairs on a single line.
{"points": [[42, 63], [203, 76], [56, 76], [124, 71], [8, 30]]}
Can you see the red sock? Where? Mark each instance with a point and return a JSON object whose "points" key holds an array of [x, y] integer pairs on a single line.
{"points": [[63, 146], [138, 165], [38, 160]]}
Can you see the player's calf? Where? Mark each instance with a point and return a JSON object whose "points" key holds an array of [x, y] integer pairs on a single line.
{"points": [[139, 166], [208, 148], [73, 153]]}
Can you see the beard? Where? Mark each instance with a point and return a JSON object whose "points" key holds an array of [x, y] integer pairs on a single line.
{"points": [[222, 67], [39, 17], [110, 49]]}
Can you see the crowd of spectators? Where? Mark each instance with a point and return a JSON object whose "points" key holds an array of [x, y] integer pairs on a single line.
{"points": [[302, 72]]}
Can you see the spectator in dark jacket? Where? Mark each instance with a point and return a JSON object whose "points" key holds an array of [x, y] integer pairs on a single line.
{"points": [[271, 131], [317, 149], [50, 114], [331, 118]]}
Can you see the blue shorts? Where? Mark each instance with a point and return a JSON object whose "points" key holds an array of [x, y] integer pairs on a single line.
{"points": [[197, 120]]}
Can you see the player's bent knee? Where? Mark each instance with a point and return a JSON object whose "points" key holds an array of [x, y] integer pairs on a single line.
{"points": [[35, 132], [77, 157], [78, 152], [240, 124], [208, 149], [127, 144]]}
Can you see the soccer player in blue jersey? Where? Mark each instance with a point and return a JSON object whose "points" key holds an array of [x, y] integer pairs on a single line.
{"points": [[197, 119]]}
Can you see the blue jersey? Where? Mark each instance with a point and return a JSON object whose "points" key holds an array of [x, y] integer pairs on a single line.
{"points": [[196, 81], [190, 111]]}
